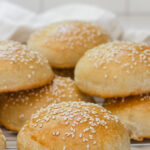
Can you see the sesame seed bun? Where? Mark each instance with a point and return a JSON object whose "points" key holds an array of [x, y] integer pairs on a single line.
{"points": [[73, 126], [64, 72], [134, 112], [115, 69], [21, 68], [17, 108], [2, 141], [63, 43]]}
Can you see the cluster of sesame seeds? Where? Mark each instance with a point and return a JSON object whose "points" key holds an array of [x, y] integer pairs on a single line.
{"points": [[78, 119], [74, 35], [145, 97], [62, 89], [114, 100], [126, 54], [15, 52]]}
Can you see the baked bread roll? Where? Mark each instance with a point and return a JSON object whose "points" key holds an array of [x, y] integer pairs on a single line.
{"points": [[17, 108], [63, 43], [64, 72], [2, 141], [21, 68], [114, 69], [73, 126], [134, 112]]}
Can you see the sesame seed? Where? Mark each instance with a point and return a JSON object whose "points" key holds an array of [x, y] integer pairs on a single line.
{"points": [[29, 76], [115, 77], [106, 76], [64, 148], [16, 52], [77, 114], [72, 34], [105, 54]]}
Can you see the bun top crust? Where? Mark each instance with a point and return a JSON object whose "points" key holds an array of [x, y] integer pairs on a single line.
{"points": [[118, 69], [67, 41], [75, 125], [13, 106], [61, 89], [15, 52], [20, 68], [126, 54]]}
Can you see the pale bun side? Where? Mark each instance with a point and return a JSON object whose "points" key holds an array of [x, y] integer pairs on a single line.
{"points": [[134, 112]]}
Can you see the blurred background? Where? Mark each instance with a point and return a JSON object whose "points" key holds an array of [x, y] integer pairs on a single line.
{"points": [[132, 13]]}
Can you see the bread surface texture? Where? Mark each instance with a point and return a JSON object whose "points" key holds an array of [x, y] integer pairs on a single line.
{"points": [[18, 107], [73, 126], [63, 43], [115, 69], [134, 112], [21, 68]]}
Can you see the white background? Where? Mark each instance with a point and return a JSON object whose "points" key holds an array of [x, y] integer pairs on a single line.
{"points": [[132, 13]]}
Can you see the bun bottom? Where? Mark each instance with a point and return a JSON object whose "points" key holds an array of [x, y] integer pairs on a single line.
{"points": [[134, 112]]}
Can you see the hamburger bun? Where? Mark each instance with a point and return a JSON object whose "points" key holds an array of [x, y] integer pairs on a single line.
{"points": [[21, 68], [134, 112], [63, 43], [73, 126], [115, 69]]}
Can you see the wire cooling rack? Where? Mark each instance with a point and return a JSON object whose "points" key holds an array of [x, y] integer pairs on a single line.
{"points": [[11, 142]]}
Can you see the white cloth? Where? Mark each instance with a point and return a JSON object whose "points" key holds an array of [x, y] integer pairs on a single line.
{"points": [[137, 35], [17, 23]]}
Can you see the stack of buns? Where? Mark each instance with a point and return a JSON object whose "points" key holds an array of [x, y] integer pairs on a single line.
{"points": [[47, 89], [119, 72], [16, 108]]}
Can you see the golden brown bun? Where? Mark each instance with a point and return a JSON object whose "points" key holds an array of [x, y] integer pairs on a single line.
{"points": [[73, 126], [64, 72], [134, 112], [17, 108], [2, 141], [63, 43], [21, 68], [114, 69]]}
